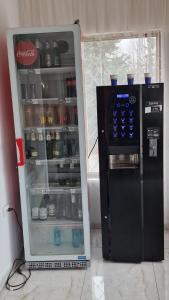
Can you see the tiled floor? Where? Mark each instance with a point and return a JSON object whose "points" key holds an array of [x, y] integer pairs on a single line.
{"points": [[101, 281]]}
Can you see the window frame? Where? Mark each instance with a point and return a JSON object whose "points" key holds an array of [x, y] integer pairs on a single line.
{"points": [[118, 36]]}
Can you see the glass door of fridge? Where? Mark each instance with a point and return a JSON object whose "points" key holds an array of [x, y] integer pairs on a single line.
{"points": [[46, 75]]}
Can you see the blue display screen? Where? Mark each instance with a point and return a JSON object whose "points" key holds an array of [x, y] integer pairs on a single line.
{"points": [[122, 96]]}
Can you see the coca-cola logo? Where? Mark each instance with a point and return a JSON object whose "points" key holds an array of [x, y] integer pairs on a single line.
{"points": [[26, 53]]}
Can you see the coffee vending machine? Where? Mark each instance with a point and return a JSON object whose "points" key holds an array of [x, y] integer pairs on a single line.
{"points": [[130, 136]]}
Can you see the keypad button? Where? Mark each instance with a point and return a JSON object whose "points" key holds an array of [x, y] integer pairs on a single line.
{"points": [[131, 120], [123, 113], [131, 135], [127, 105], [123, 127], [115, 134], [114, 113], [131, 127], [123, 120], [115, 127], [131, 113], [123, 134], [117, 104], [114, 120]]}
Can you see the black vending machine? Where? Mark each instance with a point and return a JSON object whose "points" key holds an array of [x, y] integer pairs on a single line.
{"points": [[130, 135]]}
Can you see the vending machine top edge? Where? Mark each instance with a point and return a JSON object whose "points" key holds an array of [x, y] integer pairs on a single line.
{"points": [[48, 108], [130, 135]]}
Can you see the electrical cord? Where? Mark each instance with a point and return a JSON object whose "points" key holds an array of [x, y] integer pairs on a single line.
{"points": [[16, 268], [93, 147], [17, 265]]}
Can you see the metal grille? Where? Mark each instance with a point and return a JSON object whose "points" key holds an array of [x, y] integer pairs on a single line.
{"points": [[57, 265]]}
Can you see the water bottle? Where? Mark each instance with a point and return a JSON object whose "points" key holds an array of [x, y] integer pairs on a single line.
{"points": [[57, 236], [76, 238]]}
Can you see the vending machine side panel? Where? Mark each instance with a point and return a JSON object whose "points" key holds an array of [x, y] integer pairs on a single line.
{"points": [[152, 98], [103, 168]]}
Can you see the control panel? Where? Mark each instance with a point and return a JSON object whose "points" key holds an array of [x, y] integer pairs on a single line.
{"points": [[124, 119]]}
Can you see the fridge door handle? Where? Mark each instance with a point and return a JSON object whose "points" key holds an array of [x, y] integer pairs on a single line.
{"points": [[21, 159]]}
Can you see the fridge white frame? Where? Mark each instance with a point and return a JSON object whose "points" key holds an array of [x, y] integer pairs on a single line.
{"points": [[75, 29]]}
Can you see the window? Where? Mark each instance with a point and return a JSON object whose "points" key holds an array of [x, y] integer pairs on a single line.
{"points": [[105, 55]]}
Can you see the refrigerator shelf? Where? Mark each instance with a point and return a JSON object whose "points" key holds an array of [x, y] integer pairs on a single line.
{"points": [[60, 161], [54, 190], [55, 101], [60, 70], [59, 223], [64, 128]]}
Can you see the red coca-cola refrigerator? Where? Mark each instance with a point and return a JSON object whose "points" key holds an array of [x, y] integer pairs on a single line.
{"points": [[46, 84]]}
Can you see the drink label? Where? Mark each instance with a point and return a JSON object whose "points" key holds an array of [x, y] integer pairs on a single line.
{"points": [[73, 198], [40, 137], [50, 120], [43, 213], [56, 153], [42, 120], [51, 210], [35, 213], [34, 153], [33, 137], [48, 137], [26, 53], [61, 165]]}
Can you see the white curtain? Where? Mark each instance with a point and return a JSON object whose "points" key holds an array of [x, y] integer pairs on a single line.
{"points": [[97, 16]]}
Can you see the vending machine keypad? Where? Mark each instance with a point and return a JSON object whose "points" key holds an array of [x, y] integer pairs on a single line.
{"points": [[124, 119]]}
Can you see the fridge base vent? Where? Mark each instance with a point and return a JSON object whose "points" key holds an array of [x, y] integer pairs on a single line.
{"points": [[56, 265]]}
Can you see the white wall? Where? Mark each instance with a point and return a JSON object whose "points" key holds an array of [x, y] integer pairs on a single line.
{"points": [[9, 232]]}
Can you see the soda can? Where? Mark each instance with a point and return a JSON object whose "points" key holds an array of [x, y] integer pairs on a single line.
{"points": [[71, 115], [73, 83], [35, 213], [62, 114], [68, 87], [29, 115]]}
